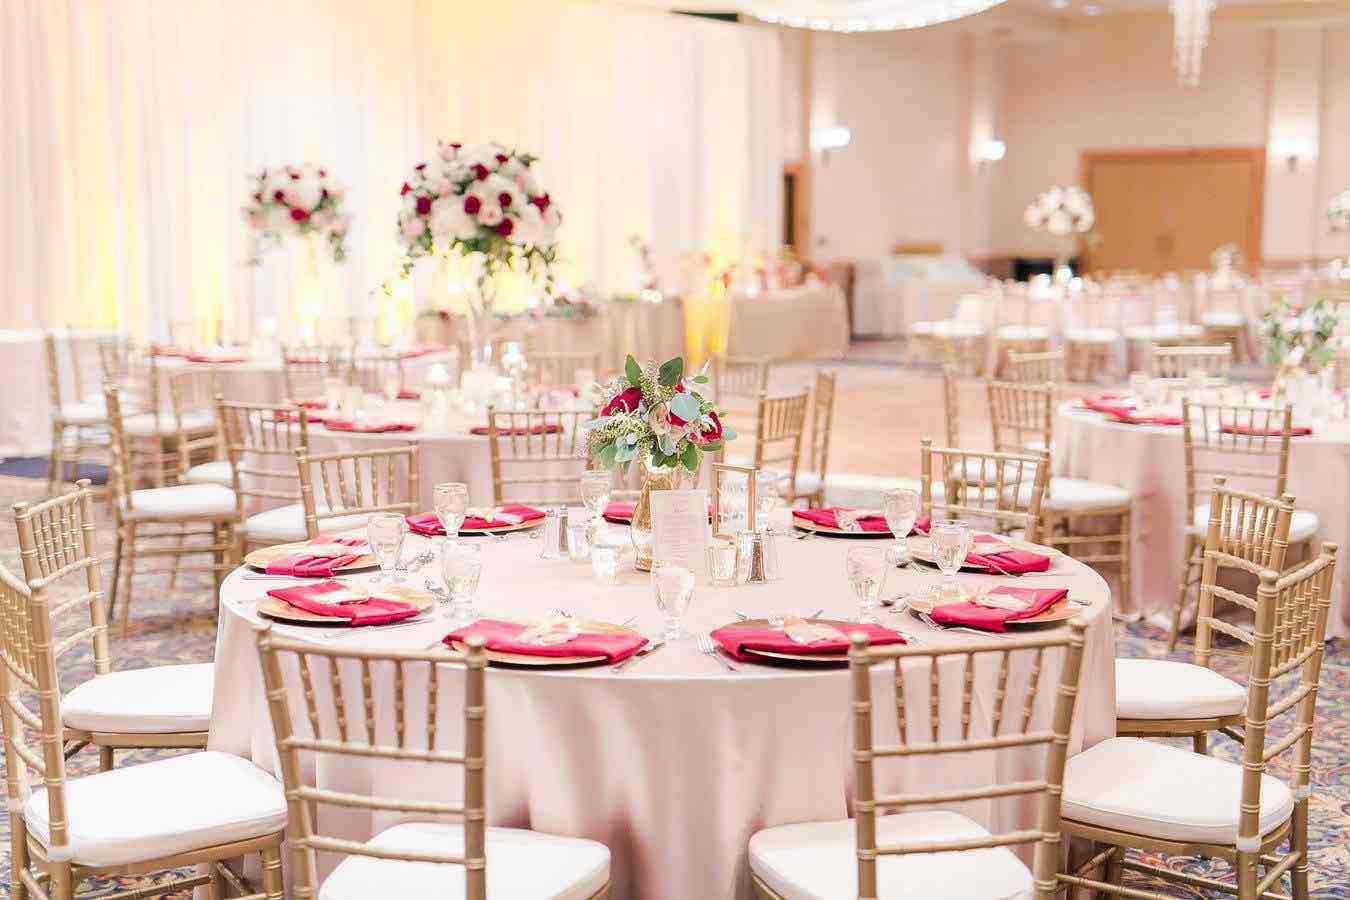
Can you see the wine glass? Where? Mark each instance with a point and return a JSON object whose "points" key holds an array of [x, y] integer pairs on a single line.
{"points": [[766, 496], [900, 506], [595, 490], [461, 567], [385, 532], [951, 543], [866, 571], [451, 501], [674, 587]]}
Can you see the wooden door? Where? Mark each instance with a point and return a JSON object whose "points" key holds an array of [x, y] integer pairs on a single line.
{"points": [[1167, 210]]}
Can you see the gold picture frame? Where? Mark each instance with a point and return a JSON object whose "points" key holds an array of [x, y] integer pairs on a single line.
{"points": [[751, 507]]}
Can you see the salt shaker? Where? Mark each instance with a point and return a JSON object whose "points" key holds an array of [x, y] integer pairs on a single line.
{"points": [[554, 540]]}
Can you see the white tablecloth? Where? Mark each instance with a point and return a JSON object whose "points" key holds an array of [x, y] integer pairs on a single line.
{"points": [[807, 322], [891, 293], [262, 380], [1148, 461], [674, 763], [25, 399]]}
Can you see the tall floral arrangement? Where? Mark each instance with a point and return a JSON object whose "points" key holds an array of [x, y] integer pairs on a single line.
{"points": [[1338, 212], [1061, 211], [654, 414], [296, 200], [1299, 336]]}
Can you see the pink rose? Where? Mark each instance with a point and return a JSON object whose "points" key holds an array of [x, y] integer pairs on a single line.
{"points": [[627, 400], [413, 228]]}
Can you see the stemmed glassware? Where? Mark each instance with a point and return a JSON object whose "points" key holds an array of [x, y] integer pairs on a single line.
{"points": [[766, 496], [900, 506], [385, 532], [951, 542], [595, 491], [461, 567], [451, 502], [674, 587], [865, 568]]}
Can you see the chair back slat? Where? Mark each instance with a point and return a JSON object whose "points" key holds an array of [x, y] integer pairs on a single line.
{"points": [[334, 485], [951, 404], [822, 422], [304, 369], [360, 704], [192, 394], [1177, 363], [1022, 415], [780, 426], [1005, 489], [560, 369], [260, 442], [923, 670], [1247, 445], [537, 455], [1040, 367]]}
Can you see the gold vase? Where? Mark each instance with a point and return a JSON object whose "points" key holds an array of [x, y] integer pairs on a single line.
{"points": [[654, 478]]}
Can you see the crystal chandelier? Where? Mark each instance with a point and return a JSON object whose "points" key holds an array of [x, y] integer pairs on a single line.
{"points": [[838, 15], [1190, 34]]}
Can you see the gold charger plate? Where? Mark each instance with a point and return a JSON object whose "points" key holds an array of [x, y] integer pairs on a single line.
{"points": [[502, 529], [528, 659], [261, 558], [818, 659], [283, 612], [1061, 612], [921, 548], [833, 531]]}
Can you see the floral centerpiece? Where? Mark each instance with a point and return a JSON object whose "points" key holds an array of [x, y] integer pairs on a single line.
{"points": [[1338, 212], [482, 202], [296, 200], [1061, 212], [1298, 337], [657, 417]]}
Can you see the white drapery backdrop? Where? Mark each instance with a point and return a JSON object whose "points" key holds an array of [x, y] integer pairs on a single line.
{"points": [[130, 124]]}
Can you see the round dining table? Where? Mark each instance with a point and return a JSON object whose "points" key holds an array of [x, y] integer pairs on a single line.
{"points": [[1148, 461], [674, 761]]}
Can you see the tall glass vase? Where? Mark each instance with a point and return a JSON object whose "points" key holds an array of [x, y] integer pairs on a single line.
{"points": [[480, 323]]}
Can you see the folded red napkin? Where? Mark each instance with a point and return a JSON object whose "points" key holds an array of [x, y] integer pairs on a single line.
{"points": [[1115, 405], [421, 350], [504, 637], [211, 358], [1013, 561], [736, 639], [373, 428], [1235, 428], [830, 519], [552, 428], [322, 565], [328, 598], [972, 615], [429, 525], [166, 350], [311, 404], [620, 511], [410, 395], [285, 415]]}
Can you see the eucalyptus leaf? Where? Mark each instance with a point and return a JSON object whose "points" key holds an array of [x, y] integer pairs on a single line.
{"points": [[728, 433], [625, 453], [710, 447], [667, 445], [700, 379], [671, 371], [685, 406], [633, 371], [607, 454]]}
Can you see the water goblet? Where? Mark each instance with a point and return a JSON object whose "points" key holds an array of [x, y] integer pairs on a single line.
{"points": [[766, 496], [595, 491], [951, 542], [866, 571], [385, 532], [674, 587], [461, 567], [578, 539], [451, 502], [901, 509]]}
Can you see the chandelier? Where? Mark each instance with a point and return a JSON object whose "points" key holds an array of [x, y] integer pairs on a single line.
{"points": [[839, 15], [1190, 34]]}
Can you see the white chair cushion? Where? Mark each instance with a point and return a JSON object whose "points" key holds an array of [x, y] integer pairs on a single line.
{"points": [[181, 501], [1023, 333], [1223, 318], [161, 808], [217, 471], [1069, 494], [154, 700], [287, 523], [88, 413], [1163, 332], [817, 861], [1162, 791], [1084, 335], [1163, 689], [143, 424], [1302, 525], [948, 328], [521, 865]]}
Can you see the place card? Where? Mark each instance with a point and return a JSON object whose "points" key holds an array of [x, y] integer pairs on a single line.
{"points": [[680, 529]]}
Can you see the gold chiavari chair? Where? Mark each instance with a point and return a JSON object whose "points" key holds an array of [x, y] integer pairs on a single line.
{"points": [[1035, 368], [1248, 445], [892, 849], [1159, 697], [1177, 363], [537, 455], [737, 382], [261, 441], [442, 848], [199, 808], [562, 369], [351, 487], [200, 447], [144, 518], [159, 433], [117, 359], [780, 426], [1022, 419], [378, 372], [810, 486], [156, 706], [1132, 793], [951, 404], [85, 421], [305, 369], [1005, 489]]}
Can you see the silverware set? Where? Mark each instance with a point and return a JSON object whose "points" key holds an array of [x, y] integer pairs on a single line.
{"points": [[651, 648], [709, 647]]}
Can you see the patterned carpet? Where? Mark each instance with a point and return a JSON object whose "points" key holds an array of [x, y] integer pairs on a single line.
{"points": [[178, 626]]}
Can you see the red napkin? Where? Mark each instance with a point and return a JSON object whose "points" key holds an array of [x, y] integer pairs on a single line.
{"points": [[370, 611], [1013, 561], [285, 415], [973, 615], [410, 395], [380, 428], [829, 519], [421, 350], [1235, 428], [553, 428], [166, 350], [427, 524], [736, 639], [306, 565], [207, 358], [1112, 405], [620, 512], [311, 404], [503, 638]]}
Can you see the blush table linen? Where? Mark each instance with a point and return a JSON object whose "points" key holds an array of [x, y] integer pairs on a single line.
{"points": [[1147, 460], [675, 762]]}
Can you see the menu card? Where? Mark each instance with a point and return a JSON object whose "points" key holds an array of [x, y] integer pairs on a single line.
{"points": [[680, 529]]}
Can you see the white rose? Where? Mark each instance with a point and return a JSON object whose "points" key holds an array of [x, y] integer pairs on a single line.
{"points": [[306, 192], [1032, 218], [449, 221], [277, 180], [1052, 199], [1059, 222], [530, 227], [413, 227], [1087, 220], [489, 214], [494, 187]]}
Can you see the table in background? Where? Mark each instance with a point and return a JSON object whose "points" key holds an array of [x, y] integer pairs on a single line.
{"points": [[675, 762], [806, 322]]}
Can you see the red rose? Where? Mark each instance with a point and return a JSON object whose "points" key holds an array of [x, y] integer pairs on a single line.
{"points": [[480, 171], [628, 400], [674, 419], [423, 205], [323, 173], [405, 189], [710, 433], [299, 215], [542, 201], [501, 157], [257, 198], [504, 199], [420, 166], [295, 176], [472, 205], [504, 227], [279, 196], [456, 145]]}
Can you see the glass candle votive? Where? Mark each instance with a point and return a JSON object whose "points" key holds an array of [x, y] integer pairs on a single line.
{"points": [[722, 563], [605, 563], [578, 539]]}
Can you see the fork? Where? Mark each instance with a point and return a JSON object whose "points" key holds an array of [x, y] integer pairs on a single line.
{"points": [[709, 648], [928, 620]]}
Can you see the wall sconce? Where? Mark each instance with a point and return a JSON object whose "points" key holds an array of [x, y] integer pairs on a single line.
{"points": [[832, 137], [1293, 151], [990, 151]]}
